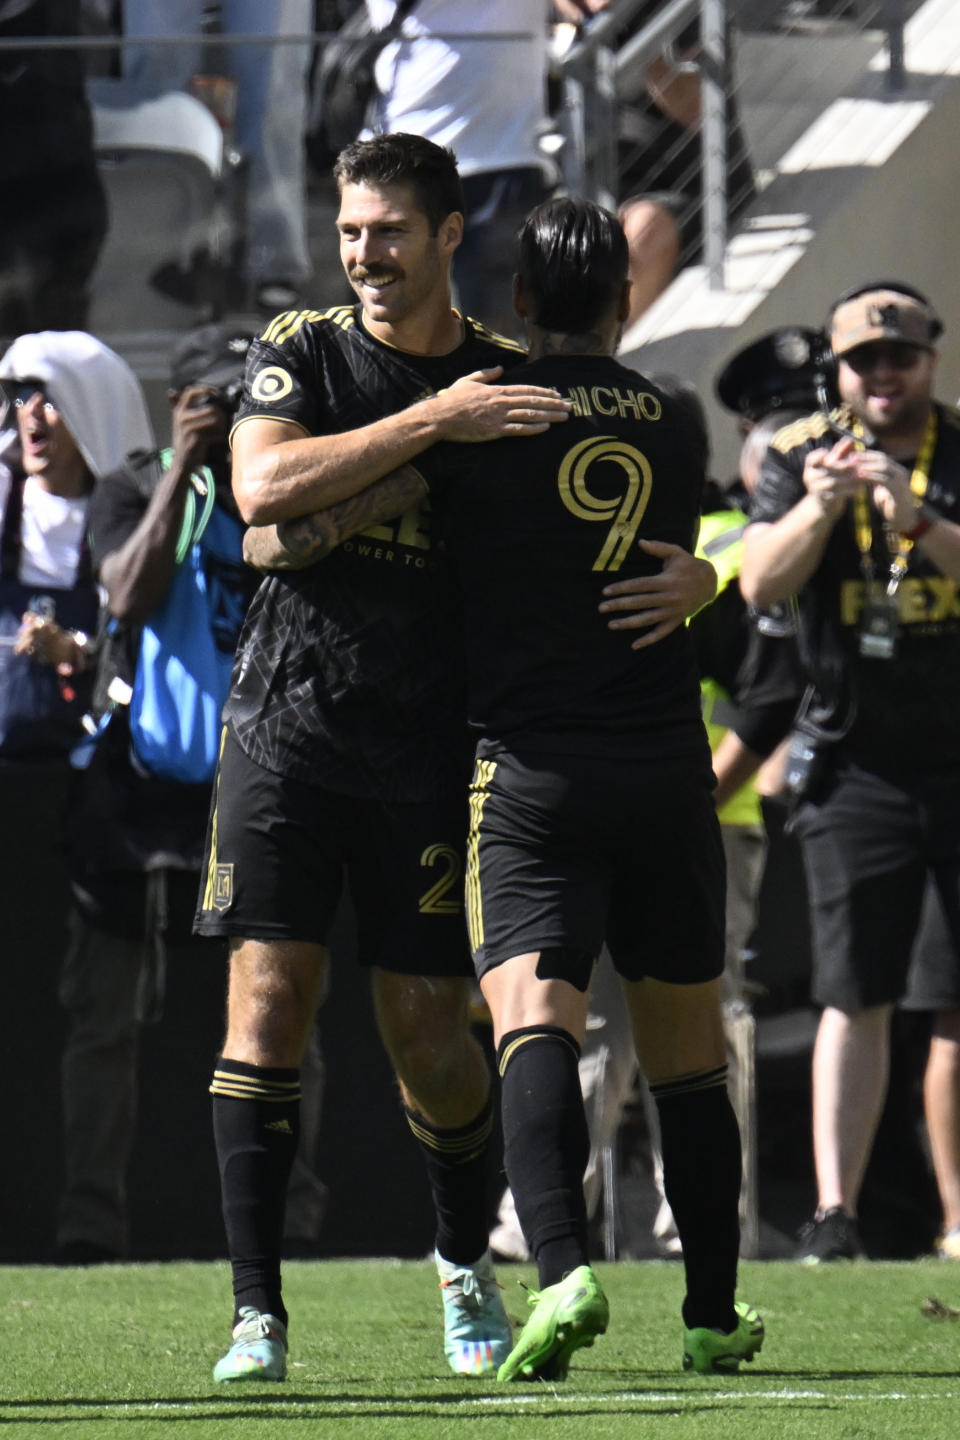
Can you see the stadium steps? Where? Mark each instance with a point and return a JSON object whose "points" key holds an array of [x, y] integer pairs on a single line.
{"points": [[867, 189]]}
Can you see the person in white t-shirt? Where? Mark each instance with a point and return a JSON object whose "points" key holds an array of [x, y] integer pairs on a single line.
{"points": [[473, 78], [70, 409], [73, 409]]}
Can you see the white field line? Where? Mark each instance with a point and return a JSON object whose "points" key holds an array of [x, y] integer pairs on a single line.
{"points": [[567, 1399]]}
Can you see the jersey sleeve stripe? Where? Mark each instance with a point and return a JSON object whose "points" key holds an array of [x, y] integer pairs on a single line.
{"points": [[262, 415]]}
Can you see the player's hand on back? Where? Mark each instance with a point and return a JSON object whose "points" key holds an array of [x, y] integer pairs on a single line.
{"points": [[476, 408], [658, 604]]}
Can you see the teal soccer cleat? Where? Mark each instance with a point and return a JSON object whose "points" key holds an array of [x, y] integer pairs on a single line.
{"points": [[713, 1352], [476, 1332], [566, 1317], [259, 1349]]}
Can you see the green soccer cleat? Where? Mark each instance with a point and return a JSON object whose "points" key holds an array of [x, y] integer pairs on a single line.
{"points": [[714, 1352], [476, 1332], [259, 1349], [566, 1316]]}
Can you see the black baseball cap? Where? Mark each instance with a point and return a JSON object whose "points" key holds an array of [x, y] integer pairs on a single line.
{"points": [[214, 355], [776, 372]]}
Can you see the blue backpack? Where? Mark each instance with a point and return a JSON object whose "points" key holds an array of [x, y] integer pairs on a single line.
{"points": [[187, 645]]}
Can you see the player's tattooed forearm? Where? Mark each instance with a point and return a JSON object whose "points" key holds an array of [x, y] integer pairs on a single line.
{"points": [[295, 544], [385, 499], [291, 545], [309, 538]]}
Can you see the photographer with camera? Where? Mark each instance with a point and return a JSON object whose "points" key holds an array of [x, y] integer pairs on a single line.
{"points": [[856, 513], [166, 546]]}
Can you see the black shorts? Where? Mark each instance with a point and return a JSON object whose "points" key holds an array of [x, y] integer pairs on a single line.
{"points": [[883, 871], [933, 980], [566, 852], [279, 851]]}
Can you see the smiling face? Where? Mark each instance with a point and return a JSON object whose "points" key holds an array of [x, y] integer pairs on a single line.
{"points": [[49, 452], [397, 266], [889, 386]]}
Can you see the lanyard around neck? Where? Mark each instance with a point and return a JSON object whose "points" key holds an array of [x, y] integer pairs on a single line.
{"points": [[862, 512]]}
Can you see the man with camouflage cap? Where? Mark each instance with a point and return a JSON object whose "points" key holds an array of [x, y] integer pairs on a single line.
{"points": [[856, 513]]}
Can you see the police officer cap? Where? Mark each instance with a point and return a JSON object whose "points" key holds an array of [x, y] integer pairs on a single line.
{"points": [[779, 370]]}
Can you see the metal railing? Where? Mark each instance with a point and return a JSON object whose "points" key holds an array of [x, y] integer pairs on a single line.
{"points": [[592, 75]]}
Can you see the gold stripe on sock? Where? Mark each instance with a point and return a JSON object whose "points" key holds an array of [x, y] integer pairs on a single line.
{"points": [[689, 1084], [524, 1039]]}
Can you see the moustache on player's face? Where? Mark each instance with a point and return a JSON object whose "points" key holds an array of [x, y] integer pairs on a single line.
{"points": [[375, 275]]}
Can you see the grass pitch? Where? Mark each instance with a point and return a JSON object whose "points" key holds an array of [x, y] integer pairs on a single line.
{"points": [[128, 1350]]}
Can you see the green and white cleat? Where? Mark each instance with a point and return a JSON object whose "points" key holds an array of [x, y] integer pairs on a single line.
{"points": [[715, 1352], [566, 1317], [476, 1332], [259, 1349]]}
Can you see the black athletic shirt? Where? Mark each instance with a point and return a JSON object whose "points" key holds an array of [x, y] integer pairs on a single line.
{"points": [[537, 527], [901, 714], [349, 674]]}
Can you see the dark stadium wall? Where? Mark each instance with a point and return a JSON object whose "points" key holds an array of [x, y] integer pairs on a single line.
{"points": [[378, 1199]]}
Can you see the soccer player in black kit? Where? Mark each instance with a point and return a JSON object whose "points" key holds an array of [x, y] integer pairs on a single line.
{"points": [[591, 804], [343, 752], [591, 809]]}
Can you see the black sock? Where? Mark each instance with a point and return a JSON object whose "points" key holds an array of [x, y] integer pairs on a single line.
{"points": [[701, 1178], [546, 1145], [457, 1164], [256, 1123]]}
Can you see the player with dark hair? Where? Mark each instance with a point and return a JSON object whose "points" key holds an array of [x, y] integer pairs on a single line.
{"points": [[429, 171], [591, 809], [343, 753], [857, 512]]}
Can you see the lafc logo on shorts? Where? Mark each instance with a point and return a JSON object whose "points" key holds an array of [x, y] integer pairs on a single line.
{"points": [[223, 887]]}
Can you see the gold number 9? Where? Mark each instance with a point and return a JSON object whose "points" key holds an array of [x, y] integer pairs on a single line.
{"points": [[625, 511]]}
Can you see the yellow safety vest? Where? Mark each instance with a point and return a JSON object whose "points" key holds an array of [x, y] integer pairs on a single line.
{"points": [[721, 542]]}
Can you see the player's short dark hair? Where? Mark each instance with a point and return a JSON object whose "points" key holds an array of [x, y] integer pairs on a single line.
{"points": [[429, 170], [572, 264]]}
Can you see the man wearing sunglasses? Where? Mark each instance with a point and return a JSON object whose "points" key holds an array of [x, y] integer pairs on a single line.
{"points": [[856, 513]]}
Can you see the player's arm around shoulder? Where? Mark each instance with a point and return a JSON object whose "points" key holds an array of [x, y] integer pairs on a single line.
{"points": [[281, 473]]}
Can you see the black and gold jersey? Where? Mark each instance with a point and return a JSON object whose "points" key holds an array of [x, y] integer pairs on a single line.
{"points": [[537, 527], [349, 673], [900, 713]]}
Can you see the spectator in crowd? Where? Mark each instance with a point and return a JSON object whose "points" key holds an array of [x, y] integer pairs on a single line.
{"points": [[856, 514], [55, 215], [77, 409], [271, 104], [778, 371], [134, 832], [451, 79], [69, 410], [660, 180]]}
